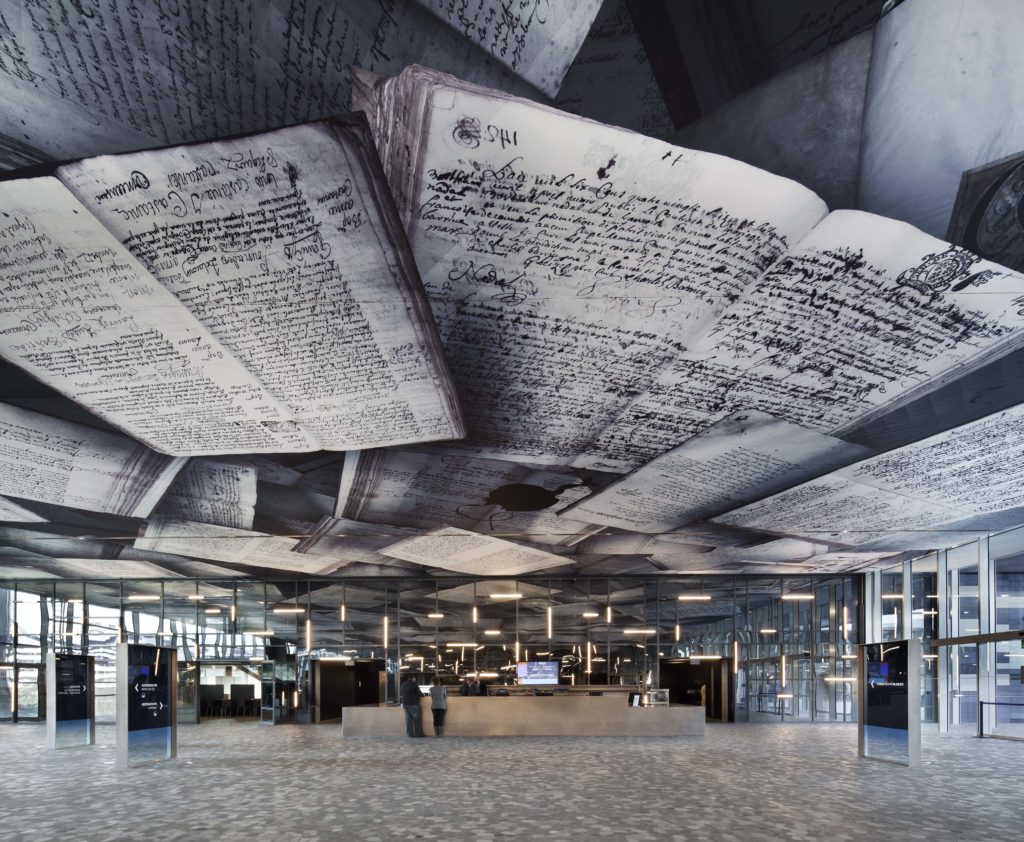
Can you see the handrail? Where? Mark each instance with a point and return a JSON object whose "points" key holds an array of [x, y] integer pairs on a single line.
{"points": [[981, 713]]}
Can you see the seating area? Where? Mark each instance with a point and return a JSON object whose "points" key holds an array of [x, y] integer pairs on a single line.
{"points": [[233, 700]]}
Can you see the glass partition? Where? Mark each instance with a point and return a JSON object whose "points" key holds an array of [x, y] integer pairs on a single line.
{"points": [[924, 626], [757, 646], [1006, 717], [963, 618]]}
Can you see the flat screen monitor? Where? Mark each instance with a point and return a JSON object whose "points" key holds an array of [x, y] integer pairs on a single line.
{"points": [[537, 672]]}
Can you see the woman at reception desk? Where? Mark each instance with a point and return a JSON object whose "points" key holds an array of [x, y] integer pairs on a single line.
{"points": [[558, 713]]}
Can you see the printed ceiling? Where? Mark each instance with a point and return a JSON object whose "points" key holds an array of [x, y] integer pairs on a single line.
{"points": [[526, 482]]}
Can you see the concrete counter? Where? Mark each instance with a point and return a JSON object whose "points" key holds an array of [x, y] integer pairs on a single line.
{"points": [[532, 716]]}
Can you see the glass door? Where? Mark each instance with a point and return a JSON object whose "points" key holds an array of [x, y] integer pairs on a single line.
{"points": [[188, 692], [963, 685], [6, 692], [796, 698], [267, 703], [1006, 717], [29, 695]]}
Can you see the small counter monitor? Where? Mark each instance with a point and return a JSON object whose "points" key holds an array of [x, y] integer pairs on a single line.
{"points": [[534, 673]]}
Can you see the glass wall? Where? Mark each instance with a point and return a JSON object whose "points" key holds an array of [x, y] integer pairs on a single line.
{"points": [[783, 640], [793, 641], [1007, 717], [976, 589], [924, 626]]}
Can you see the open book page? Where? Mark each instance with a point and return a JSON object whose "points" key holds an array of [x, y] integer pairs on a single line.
{"points": [[911, 311], [535, 510], [181, 564], [418, 489], [349, 542], [482, 592], [59, 541], [770, 555], [68, 464], [13, 513], [565, 274], [222, 543], [741, 458], [467, 552], [611, 79], [291, 509], [972, 469], [421, 488], [122, 75], [211, 491], [107, 568], [81, 314], [286, 247], [267, 469], [537, 39]]}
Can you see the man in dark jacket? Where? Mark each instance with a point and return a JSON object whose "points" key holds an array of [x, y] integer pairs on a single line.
{"points": [[409, 695]]}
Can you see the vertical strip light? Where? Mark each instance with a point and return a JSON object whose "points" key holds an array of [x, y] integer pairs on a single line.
{"points": [[385, 637], [309, 635], [735, 657], [783, 670], [476, 615], [517, 650], [550, 624]]}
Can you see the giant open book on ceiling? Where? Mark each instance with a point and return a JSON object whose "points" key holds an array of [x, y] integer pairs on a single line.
{"points": [[238, 296], [604, 297]]}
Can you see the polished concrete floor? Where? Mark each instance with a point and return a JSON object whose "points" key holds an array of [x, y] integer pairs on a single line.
{"points": [[239, 781]]}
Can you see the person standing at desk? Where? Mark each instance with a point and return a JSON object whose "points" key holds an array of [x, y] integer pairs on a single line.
{"points": [[438, 705], [410, 695]]}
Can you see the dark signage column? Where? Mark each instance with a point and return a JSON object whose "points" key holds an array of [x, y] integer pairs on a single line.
{"points": [[70, 701], [147, 679], [889, 706]]}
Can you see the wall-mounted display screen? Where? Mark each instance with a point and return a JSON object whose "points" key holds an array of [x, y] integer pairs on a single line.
{"points": [[537, 672]]}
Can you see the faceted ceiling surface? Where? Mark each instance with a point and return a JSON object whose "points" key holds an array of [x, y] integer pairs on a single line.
{"points": [[522, 344]]}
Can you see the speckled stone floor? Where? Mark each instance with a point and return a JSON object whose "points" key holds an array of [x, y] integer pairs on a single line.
{"points": [[246, 782]]}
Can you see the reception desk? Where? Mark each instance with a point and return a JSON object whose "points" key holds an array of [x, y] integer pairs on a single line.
{"points": [[532, 716]]}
